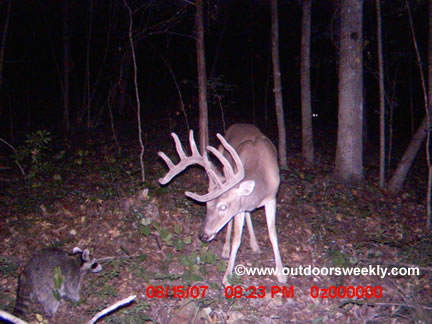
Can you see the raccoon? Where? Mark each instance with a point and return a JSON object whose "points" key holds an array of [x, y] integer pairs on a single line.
{"points": [[50, 275]]}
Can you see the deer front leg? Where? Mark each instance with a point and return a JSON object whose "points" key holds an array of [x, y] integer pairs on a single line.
{"points": [[226, 247], [238, 229], [270, 210], [253, 241]]}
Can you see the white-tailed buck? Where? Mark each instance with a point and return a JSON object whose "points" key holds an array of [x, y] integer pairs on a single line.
{"points": [[250, 180]]}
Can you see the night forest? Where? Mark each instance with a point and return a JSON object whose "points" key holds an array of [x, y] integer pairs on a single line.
{"points": [[339, 92]]}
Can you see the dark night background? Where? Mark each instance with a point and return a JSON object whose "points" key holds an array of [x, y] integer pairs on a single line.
{"points": [[237, 48]]}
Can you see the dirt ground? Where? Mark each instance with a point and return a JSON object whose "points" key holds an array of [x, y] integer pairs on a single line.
{"points": [[151, 233]]}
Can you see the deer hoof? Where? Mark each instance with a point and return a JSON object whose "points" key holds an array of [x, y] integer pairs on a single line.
{"points": [[225, 281], [255, 247], [281, 278]]}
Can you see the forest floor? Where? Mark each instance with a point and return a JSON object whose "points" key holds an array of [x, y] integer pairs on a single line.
{"points": [[92, 197]]}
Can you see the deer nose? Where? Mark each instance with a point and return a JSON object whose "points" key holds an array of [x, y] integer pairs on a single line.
{"points": [[204, 237]]}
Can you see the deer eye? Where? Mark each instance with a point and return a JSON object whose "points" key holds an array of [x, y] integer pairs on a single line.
{"points": [[223, 207]]}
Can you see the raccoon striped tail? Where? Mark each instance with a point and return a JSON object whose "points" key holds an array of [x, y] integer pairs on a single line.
{"points": [[23, 301], [21, 307]]}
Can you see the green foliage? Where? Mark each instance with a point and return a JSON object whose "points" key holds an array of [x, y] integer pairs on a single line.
{"points": [[166, 236], [177, 228], [178, 244], [194, 264], [133, 314], [218, 90], [46, 170], [207, 257], [80, 156], [341, 259], [144, 223], [34, 153], [59, 279], [110, 273], [107, 291], [235, 280], [145, 230], [7, 267], [141, 272], [221, 266]]}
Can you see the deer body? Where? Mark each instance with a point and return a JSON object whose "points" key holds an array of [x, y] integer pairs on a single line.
{"points": [[251, 180], [259, 158]]}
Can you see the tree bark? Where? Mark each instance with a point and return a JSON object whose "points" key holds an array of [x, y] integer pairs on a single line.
{"points": [[277, 88], [428, 116], [307, 130], [66, 67], [3, 42], [349, 151], [410, 153], [88, 79], [381, 95], [202, 76]]}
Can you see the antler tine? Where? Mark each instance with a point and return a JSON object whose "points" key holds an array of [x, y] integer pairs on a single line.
{"points": [[179, 147], [234, 154], [185, 160], [232, 178], [193, 146], [228, 170]]}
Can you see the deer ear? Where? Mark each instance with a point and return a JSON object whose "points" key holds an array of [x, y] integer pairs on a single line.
{"points": [[246, 187]]}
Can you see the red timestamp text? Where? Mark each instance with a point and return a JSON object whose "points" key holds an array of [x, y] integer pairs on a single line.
{"points": [[253, 292], [176, 291], [349, 292]]}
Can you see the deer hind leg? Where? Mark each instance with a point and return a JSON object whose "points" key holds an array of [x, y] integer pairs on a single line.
{"points": [[226, 247], [238, 229], [253, 241], [270, 210]]}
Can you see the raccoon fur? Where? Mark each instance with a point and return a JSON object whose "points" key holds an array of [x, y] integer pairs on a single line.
{"points": [[50, 275]]}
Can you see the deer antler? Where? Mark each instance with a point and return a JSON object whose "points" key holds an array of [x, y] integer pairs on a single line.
{"points": [[231, 178], [185, 161]]}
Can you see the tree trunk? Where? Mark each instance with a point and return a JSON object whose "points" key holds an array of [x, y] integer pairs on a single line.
{"points": [[66, 67], [220, 37], [381, 95], [349, 151], [307, 131], [409, 155], [3, 43], [428, 119], [88, 79], [137, 97], [202, 77], [277, 88]]}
